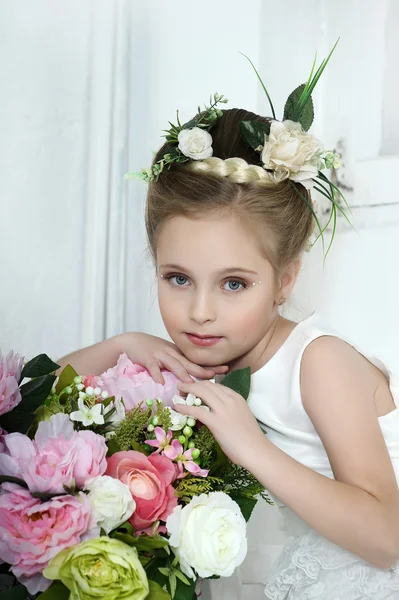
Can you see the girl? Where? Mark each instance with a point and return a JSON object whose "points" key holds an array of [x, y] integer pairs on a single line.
{"points": [[227, 234]]}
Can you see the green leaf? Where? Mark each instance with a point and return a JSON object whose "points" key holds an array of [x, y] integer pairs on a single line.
{"points": [[40, 365], [310, 207], [35, 392], [16, 420], [239, 381], [137, 446], [19, 592], [310, 85], [66, 378], [152, 571], [172, 583], [127, 528], [246, 504], [141, 543], [157, 592], [182, 577], [57, 591], [183, 591], [261, 82], [307, 114], [254, 132], [220, 463], [113, 447]]}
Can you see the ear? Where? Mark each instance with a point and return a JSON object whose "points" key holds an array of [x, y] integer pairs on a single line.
{"points": [[288, 279]]}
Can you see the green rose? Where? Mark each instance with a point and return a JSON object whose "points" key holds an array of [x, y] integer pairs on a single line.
{"points": [[100, 568]]}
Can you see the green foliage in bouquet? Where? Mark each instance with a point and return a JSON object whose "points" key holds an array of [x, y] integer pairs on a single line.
{"points": [[40, 370]]}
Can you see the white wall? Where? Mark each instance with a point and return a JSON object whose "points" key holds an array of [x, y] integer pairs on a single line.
{"points": [[43, 70]]}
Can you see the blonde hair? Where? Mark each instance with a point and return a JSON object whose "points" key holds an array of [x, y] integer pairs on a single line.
{"points": [[233, 182]]}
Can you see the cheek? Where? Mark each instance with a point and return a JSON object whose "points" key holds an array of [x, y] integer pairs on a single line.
{"points": [[250, 316]]}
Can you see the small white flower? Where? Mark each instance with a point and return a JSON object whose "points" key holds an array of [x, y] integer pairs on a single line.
{"points": [[89, 391], [188, 401], [178, 421], [86, 415], [208, 535], [195, 143], [111, 501], [104, 395], [97, 391], [119, 415]]}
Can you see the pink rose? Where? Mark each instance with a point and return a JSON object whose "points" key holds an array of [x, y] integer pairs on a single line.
{"points": [[58, 456], [33, 532], [10, 374], [149, 479], [134, 384]]}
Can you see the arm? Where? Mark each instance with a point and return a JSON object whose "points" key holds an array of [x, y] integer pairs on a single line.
{"points": [[94, 359], [150, 351], [359, 510]]}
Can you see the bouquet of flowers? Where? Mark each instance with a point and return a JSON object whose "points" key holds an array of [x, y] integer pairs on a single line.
{"points": [[107, 492]]}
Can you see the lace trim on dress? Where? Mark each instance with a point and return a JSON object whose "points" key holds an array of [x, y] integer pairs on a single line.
{"points": [[313, 568]]}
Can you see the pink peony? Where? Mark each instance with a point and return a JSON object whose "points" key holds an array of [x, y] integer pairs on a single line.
{"points": [[10, 374], [58, 456], [33, 532], [91, 457], [134, 384], [149, 479], [2, 444]]}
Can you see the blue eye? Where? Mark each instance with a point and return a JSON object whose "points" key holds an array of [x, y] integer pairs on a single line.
{"points": [[177, 280], [234, 285]]}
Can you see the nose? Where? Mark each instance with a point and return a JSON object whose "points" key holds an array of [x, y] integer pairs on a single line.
{"points": [[202, 308]]}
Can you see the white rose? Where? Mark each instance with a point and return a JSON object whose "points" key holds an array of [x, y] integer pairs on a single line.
{"points": [[208, 535], [195, 143], [291, 153], [111, 501]]}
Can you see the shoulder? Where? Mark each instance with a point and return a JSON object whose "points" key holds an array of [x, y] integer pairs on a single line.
{"points": [[332, 370]]}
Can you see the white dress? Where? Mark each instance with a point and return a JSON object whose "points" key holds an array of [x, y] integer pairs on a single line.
{"points": [[310, 566]]}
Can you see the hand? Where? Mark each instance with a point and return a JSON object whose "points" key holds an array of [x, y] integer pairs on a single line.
{"points": [[229, 420], [155, 353]]}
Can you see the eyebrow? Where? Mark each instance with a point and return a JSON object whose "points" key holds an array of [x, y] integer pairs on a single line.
{"points": [[222, 272]]}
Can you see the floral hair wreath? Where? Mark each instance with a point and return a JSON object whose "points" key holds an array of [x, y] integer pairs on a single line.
{"points": [[287, 150]]}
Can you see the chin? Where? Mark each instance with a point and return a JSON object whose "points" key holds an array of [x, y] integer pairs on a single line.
{"points": [[206, 357]]}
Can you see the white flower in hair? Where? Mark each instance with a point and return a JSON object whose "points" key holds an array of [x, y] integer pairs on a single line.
{"points": [[195, 143], [292, 153]]}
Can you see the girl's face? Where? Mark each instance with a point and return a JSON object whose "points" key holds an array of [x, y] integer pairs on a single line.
{"points": [[218, 295]]}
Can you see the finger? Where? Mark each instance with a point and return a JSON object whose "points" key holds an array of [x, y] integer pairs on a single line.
{"points": [[155, 372], [197, 370], [198, 413], [205, 390], [201, 372], [176, 367], [220, 370]]}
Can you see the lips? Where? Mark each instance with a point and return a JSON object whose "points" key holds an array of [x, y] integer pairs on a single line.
{"points": [[203, 340]]}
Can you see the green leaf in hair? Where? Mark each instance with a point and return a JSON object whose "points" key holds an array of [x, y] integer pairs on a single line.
{"points": [[307, 115]]}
